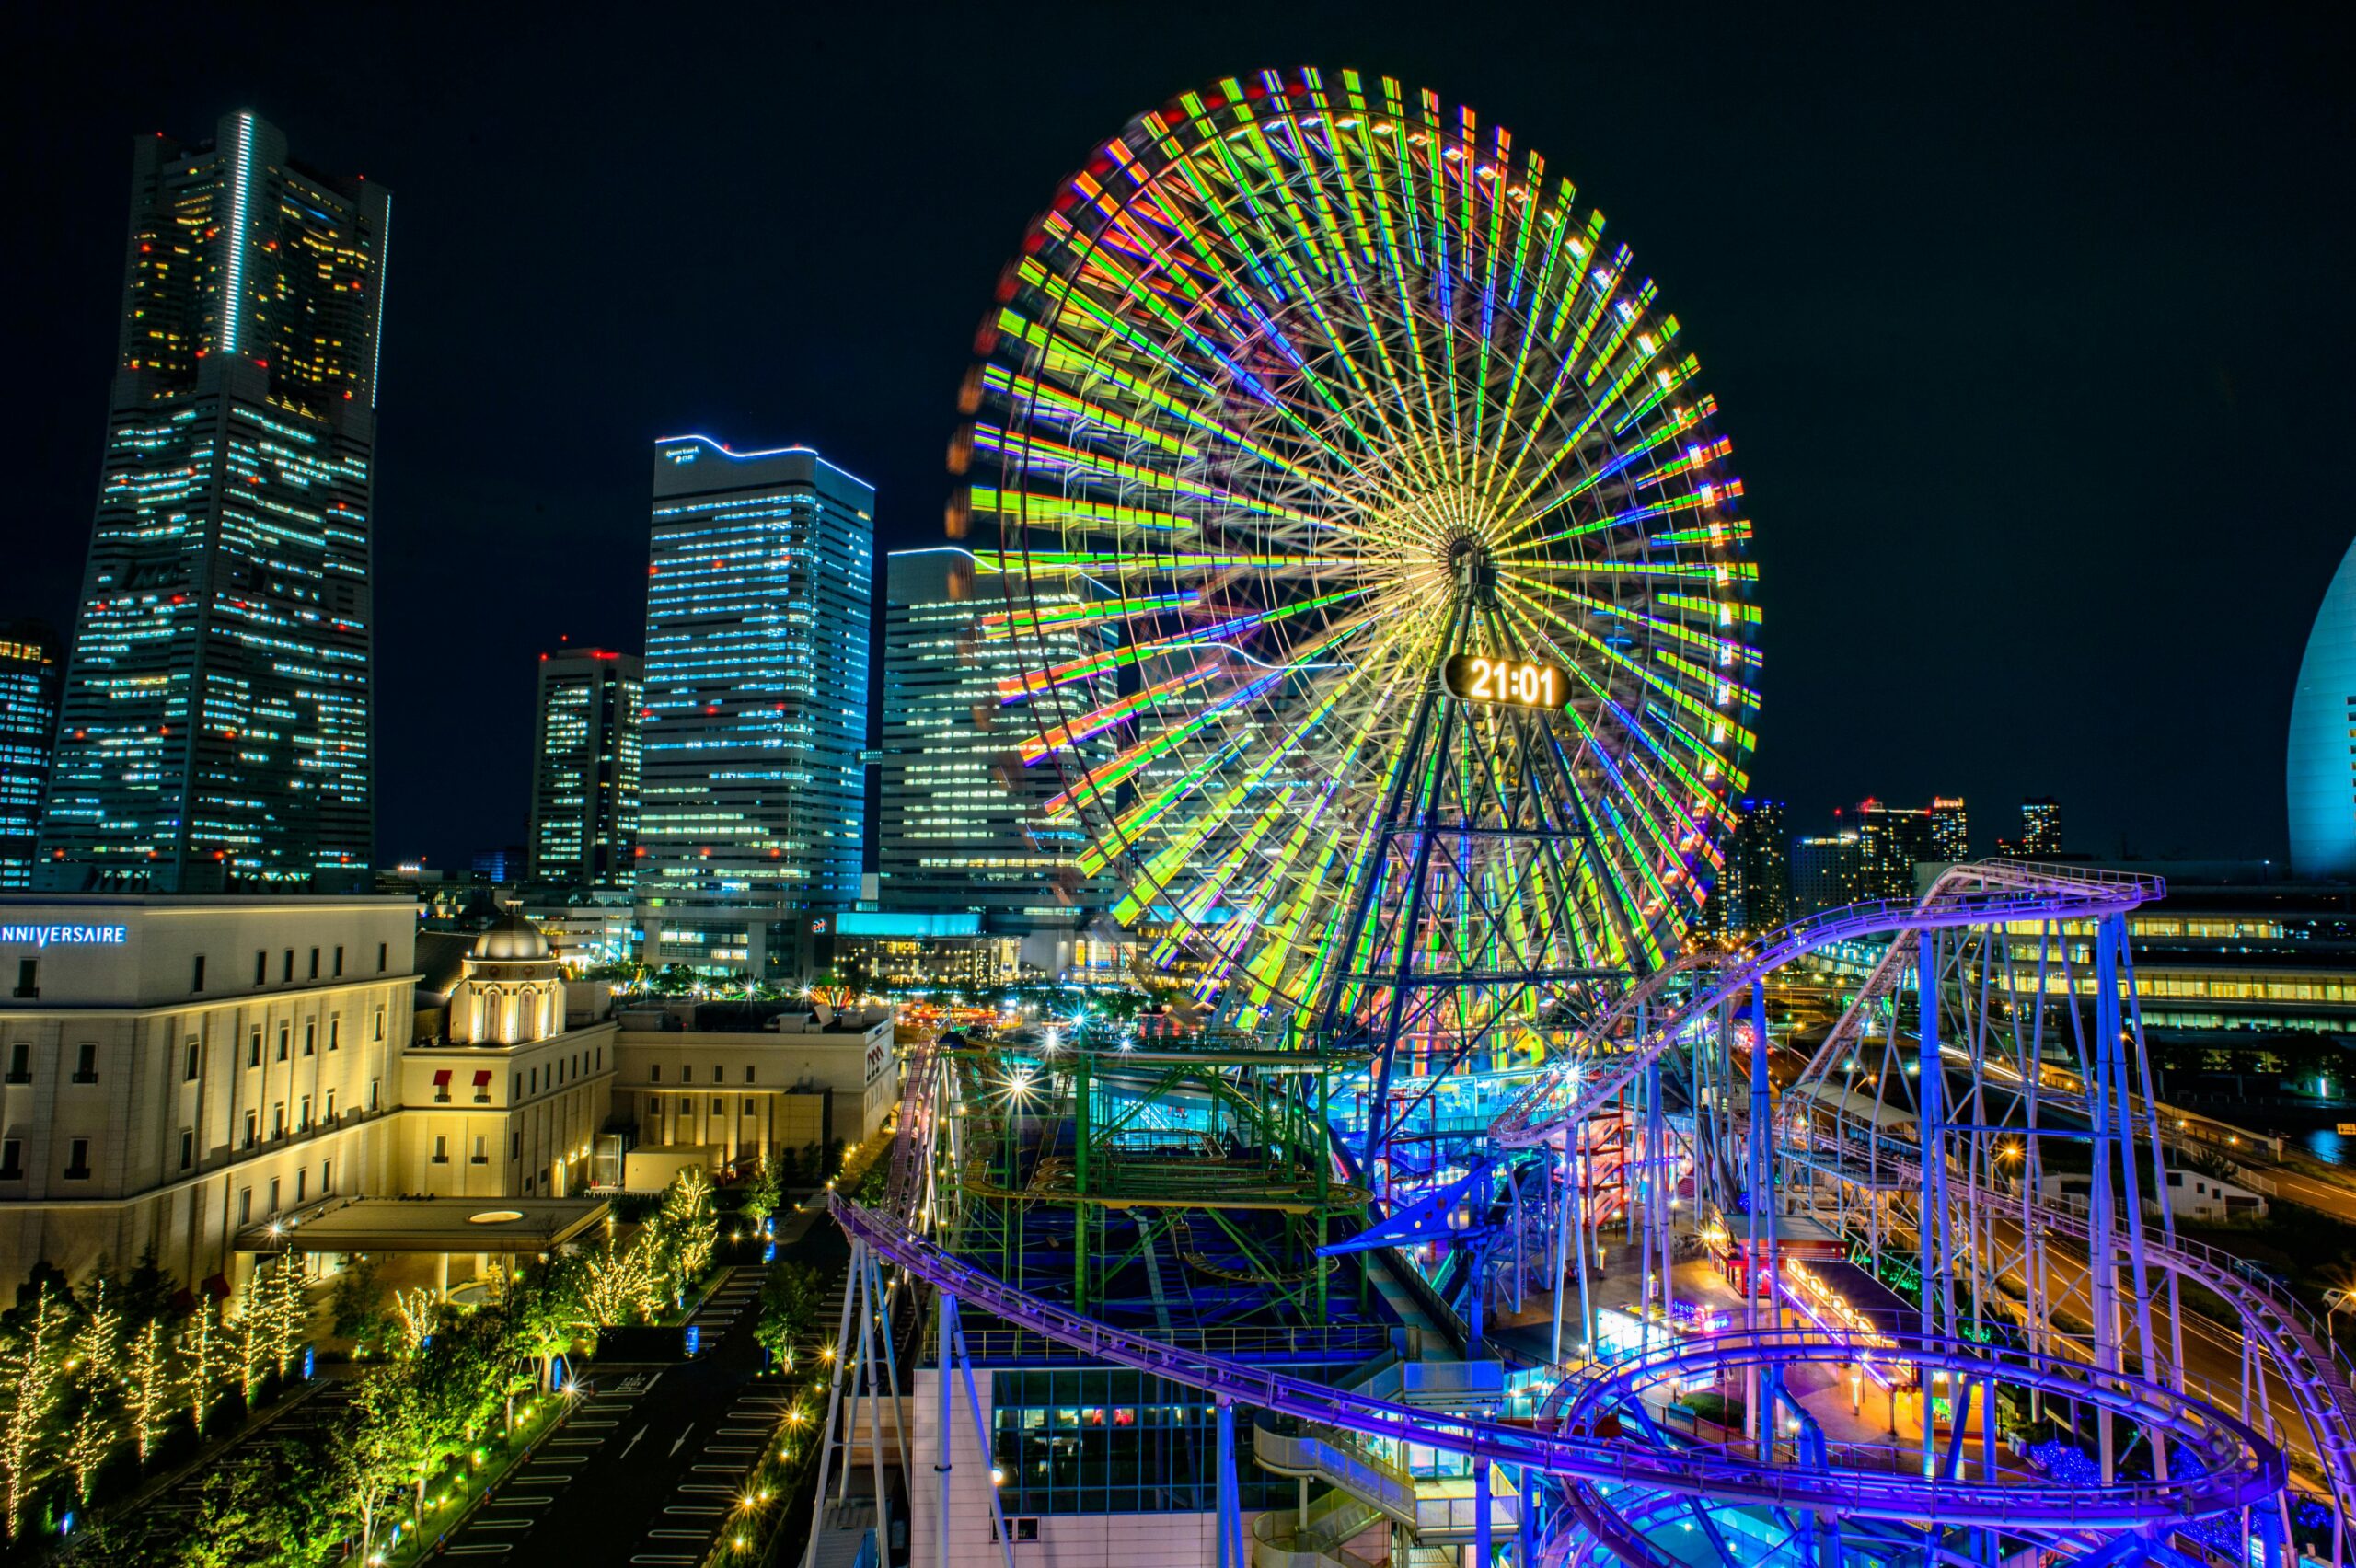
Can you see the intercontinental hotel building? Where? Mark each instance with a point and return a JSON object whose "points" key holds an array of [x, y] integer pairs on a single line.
{"points": [[180, 1070]]}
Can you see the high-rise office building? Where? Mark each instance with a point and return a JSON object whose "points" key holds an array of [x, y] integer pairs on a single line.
{"points": [[214, 730], [1827, 871], [2041, 827], [31, 662], [1891, 839], [965, 778], [1950, 829], [757, 618], [1753, 892], [585, 776]]}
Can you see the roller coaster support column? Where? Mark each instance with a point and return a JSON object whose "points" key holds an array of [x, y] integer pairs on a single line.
{"points": [[1230, 1506], [1563, 1253], [834, 1406], [1662, 1207], [1932, 1095], [1760, 1181], [2101, 1255], [1482, 1548]]}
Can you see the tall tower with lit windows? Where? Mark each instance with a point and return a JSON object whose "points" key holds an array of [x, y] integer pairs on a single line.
{"points": [[214, 732], [965, 781], [585, 775], [751, 794], [32, 660]]}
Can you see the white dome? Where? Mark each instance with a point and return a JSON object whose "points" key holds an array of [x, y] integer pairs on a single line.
{"points": [[514, 940]]}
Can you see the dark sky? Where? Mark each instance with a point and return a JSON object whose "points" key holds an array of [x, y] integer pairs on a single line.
{"points": [[2031, 328]]}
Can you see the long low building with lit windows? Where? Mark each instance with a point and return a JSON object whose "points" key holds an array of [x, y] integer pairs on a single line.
{"points": [[181, 1069]]}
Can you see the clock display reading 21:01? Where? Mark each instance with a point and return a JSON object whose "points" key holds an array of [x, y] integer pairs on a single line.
{"points": [[1524, 683]]}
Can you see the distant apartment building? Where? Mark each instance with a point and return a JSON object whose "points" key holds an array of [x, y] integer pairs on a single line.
{"points": [[758, 620], [1753, 892], [586, 773], [1827, 871]]}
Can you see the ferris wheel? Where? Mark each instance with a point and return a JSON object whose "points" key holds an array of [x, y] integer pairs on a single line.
{"points": [[1375, 583]]}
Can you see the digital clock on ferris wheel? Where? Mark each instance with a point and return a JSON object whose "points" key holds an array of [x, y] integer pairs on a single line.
{"points": [[1521, 683]]}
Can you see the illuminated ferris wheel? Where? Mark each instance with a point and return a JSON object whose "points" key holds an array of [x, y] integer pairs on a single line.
{"points": [[1378, 585]]}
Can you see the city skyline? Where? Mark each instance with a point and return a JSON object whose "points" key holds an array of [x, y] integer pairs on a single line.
{"points": [[874, 380]]}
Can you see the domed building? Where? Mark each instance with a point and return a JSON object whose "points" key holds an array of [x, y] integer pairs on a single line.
{"points": [[2321, 771], [513, 988]]}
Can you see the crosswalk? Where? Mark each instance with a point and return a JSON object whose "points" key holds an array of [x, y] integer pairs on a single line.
{"points": [[701, 1501]]}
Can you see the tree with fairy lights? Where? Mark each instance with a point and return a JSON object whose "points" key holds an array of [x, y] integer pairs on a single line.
{"points": [[148, 1399], [92, 1363], [30, 1375]]}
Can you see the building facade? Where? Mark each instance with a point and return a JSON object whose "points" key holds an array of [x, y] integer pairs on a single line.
{"points": [[2320, 767], [33, 664], [966, 779], [178, 1067], [735, 1093], [1950, 829], [1827, 871], [758, 620], [215, 725], [1753, 892], [2041, 827], [585, 774]]}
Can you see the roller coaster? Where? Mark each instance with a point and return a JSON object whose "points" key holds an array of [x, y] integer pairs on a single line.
{"points": [[1387, 625]]}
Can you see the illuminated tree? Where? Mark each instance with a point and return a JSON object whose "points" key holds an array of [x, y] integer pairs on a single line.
{"points": [[252, 1331], [689, 1227], [201, 1354], [764, 1195], [98, 1384], [286, 1312], [415, 1311], [616, 1284], [28, 1381], [151, 1384]]}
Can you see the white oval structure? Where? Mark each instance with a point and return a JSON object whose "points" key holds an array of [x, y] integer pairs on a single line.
{"points": [[2321, 767]]}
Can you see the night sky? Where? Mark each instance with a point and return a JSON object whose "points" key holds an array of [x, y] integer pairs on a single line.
{"points": [[2031, 330]]}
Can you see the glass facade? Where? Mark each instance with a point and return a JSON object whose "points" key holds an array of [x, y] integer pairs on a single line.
{"points": [[2320, 766], [215, 721], [585, 779], [31, 662], [965, 775], [758, 624], [1101, 1440]]}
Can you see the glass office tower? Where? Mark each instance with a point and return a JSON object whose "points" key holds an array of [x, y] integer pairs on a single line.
{"points": [[215, 725], [964, 779], [33, 663], [758, 621], [585, 777]]}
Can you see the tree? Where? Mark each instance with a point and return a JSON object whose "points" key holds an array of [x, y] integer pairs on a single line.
{"points": [[150, 1386], [28, 1379], [616, 1284], [792, 1295], [357, 1303], [286, 1312], [372, 1451], [765, 1194], [416, 1311], [148, 1292], [690, 1228], [268, 1503], [201, 1355], [98, 1393]]}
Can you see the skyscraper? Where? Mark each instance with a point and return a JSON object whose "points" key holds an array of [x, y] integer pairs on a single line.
{"points": [[2041, 827], [1754, 889], [757, 615], [215, 721], [1891, 839], [1828, 871], [964, 785], [31, 662], [1950, 829], [585, 777]]}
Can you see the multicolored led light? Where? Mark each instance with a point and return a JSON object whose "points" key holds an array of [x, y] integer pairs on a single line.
{"points": [[1274, 366]]}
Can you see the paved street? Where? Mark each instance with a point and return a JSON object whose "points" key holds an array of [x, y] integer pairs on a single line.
{"points": [[650, 1471]]}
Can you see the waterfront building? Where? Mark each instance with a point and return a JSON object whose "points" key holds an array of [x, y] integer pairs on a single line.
{"points": [[2320, 772], [966, 779], [585, 775], [216, 724], [33, 663], [758, 617]]}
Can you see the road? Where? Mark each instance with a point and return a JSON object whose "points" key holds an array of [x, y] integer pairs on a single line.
{"points": [[649, 1471]]}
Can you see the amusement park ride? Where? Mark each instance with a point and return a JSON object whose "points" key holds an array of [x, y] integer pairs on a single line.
{"points": [[1380, 483]]}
